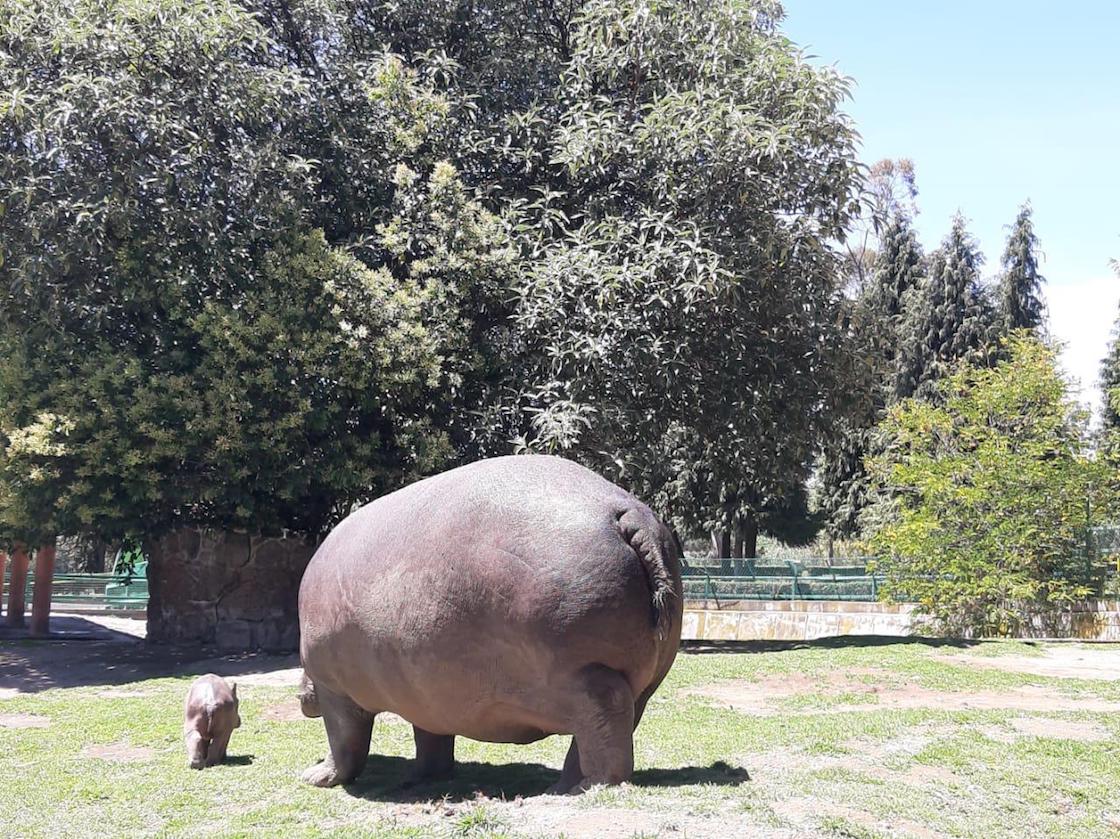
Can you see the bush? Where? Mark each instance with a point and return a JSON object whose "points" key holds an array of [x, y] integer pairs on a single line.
{"points": [[992, 490]]}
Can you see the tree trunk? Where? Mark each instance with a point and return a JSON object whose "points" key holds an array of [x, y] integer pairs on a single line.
{"points": [[41, 599], [3, 565], [17, 590], [721, 547], [95, 562], [750, 537]]}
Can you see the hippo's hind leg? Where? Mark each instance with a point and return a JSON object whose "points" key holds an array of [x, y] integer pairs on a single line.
{"points": [[349, 728], [602, 750], [217, 751], [435, 757]]}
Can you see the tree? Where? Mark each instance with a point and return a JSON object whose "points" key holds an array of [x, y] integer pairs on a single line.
{"points": [[951, 317], [995, 490], [211, 314], [877, 329], [890, 194], [1020, 284], [680, 300]]}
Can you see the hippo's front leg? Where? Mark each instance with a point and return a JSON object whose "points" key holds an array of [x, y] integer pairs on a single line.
{"points": [[349, 729], [197, 748]]}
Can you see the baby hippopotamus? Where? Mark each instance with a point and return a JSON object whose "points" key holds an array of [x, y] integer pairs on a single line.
{"points": [[210, 717]]}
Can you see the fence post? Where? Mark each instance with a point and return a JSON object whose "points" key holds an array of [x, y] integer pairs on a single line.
{"points": [[44, 582]]}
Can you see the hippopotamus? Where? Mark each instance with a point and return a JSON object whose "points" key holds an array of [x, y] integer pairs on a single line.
{"points": [[505, 601], [210, 716]]}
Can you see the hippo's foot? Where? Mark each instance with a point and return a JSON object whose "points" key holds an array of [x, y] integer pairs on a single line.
{"points": [[323, 774], [348, 733], [435, 758], [602, 750]]}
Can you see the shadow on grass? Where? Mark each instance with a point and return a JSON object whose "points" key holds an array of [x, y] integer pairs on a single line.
{"points": [[383, 777], [238, 760], [83, 653], [839, 642]]}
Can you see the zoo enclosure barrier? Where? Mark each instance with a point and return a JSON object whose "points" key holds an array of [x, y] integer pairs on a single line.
{"points": [[93, 592], [728, 580]]}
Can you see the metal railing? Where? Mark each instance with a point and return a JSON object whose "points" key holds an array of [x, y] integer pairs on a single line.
{"points": [[727, 580], [91, 591]]}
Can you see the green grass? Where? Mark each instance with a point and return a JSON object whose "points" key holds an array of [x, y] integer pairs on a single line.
{"points": [[815, 767]]}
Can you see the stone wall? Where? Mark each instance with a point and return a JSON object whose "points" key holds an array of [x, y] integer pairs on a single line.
{"points": [[234, 590], [794, 620], [802, 620]]}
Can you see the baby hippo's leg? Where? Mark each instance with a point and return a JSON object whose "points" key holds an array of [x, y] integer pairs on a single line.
{"points": [[197, 748], [217, 751]]}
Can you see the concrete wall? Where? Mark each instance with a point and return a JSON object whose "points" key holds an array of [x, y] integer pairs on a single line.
{"points": [[803, 620]]}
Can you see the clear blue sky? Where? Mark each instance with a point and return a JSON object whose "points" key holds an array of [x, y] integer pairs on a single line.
{"points": [[996, 101]]}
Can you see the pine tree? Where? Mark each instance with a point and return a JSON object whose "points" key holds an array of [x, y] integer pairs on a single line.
{"points": [[1110, 382], [951, 317], [896, 272], [1020, 285], [844, 482]]}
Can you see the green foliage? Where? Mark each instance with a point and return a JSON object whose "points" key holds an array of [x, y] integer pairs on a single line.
{"points": [[234, 294], [264, 260], [994, 492], [679, 304], [1020, 284], [949, 319]]}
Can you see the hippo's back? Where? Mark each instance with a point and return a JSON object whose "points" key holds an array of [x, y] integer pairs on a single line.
{"points": [[497, 576]]}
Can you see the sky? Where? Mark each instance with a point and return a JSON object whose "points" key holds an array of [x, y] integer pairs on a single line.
{"points": [[996, 102]]}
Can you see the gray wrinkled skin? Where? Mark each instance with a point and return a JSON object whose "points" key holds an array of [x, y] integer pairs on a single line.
{"points": [[504, 601], [210, 716]]}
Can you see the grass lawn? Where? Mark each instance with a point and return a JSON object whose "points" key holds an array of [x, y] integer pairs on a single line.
{"points": [[1000, 739]]}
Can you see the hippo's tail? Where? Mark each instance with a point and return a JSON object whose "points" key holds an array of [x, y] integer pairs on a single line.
{"points": [[654, 545]]}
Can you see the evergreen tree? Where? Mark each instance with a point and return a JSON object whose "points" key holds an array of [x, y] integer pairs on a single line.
{"points": [[878, 320], [951, 317], [1110, 382], [897, 270], [1020, 285]]}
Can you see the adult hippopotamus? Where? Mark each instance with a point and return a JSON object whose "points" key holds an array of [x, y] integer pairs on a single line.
{"points": [[504, 601]]}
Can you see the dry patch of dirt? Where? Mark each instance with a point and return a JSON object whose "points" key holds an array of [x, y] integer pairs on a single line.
{"points": [[804, 812], [764, 697], [24, 721], [287, 711], [119, 753], [575, 819], [121, 693], [1058, 729], [1062, 662]]}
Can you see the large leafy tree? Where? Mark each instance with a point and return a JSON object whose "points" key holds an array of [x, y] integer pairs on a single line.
{"points": [[211, 312], [1020, 284], [994, 490], [273, 257], [681, 297]]}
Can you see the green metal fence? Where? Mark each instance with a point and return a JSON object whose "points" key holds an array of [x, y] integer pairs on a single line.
{"points": [[726, 580], [85, 592]]}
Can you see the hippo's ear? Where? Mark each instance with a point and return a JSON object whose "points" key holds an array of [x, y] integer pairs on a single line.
{"points": [[233, 689]]}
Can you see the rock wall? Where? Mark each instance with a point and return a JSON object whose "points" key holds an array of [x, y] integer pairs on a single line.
{"points": [[234, 590], [801, 620]]}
